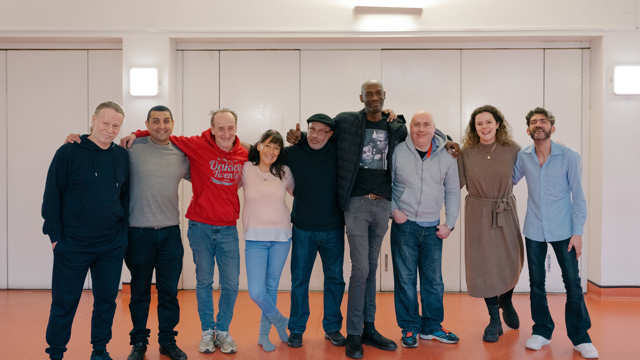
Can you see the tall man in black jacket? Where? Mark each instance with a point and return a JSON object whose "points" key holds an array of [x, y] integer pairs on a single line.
{"points": [[85, 210], [366, 141]]}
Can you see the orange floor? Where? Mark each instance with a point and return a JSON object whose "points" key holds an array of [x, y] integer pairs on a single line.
{"points": [[615, 330]]}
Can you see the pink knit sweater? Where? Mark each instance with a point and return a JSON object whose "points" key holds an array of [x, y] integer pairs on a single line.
{"points": [[265, 215]]}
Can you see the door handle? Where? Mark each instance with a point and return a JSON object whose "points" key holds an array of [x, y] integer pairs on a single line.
{"points": [[386, 262]]}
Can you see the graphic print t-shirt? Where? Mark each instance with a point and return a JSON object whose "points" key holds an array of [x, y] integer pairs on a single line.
{"points": [[372, 174]]}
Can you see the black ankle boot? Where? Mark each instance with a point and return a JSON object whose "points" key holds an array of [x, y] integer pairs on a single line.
{"points": [[509, 313], [353, 346], [493, 331]]}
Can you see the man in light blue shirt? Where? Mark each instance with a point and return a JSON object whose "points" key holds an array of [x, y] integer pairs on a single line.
{"points": [[556, 213]]}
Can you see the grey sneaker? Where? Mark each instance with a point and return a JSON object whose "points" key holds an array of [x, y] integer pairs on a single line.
{"points": [[206, 342], [225, 342]]}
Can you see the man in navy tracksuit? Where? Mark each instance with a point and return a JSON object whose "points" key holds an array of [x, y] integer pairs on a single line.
{"points": [[85, 211]]}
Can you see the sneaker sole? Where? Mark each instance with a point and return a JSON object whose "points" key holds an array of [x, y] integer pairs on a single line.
{"points": [[431, 337], [409, 346], [536, 349], [207, 351]]}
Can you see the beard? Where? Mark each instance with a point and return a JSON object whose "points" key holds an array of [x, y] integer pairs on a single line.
{"points": [[545, 134]]}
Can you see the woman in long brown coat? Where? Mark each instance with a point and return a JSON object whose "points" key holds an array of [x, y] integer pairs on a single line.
{"points": [[493, 244]]}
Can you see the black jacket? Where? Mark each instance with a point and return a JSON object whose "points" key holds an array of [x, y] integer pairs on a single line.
{"points": [[349, 133], [86, 196]]}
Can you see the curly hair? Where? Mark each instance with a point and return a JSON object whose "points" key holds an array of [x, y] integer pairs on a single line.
{"points": [[274, 137], [541, 111], [503, 137]]}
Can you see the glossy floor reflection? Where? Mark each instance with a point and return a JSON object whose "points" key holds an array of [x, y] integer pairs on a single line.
{"points": [[615, 330]]}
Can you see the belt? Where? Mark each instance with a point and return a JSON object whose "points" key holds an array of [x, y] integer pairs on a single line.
{"points": [[500, 206], [372, 196]]}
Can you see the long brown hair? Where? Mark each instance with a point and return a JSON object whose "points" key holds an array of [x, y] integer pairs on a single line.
{"points": [[503, 137]]}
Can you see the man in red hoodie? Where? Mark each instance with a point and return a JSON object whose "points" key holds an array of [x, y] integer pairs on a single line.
{"points": [[216, 158]]}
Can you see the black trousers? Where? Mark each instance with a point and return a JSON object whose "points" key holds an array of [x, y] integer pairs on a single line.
{"points": [[162, 250], [70, 266]]}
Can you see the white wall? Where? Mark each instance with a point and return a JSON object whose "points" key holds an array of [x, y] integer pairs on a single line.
{"points": [[198, 16], [609, 27], [619, 167], [3, 170]]}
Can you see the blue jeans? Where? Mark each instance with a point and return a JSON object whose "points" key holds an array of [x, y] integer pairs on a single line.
{"points": [[265, 261], [576, 315], [208, 243], [414, 247], [306, 245]]}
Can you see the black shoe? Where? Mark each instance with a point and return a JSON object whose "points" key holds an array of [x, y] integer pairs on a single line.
{"points": [[509, 314], [137, 351], [295, 340], [353, 346], [336, 338], [371, 336], [493, 331], [100, 355], [172, 351]]}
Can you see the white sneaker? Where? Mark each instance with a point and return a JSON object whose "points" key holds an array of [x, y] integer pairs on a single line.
{"points": [[225, 342], [206, 342], [587, 350], [536, 342]]}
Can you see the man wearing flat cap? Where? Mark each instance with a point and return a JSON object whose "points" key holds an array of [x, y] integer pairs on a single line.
{"points": [[318, 227]]}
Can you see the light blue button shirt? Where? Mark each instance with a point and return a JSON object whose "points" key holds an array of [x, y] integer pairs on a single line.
{"points": [[556, 208]]}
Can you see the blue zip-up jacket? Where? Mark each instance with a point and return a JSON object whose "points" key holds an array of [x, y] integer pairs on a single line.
{"points": [[86, 196], [421, 186]]}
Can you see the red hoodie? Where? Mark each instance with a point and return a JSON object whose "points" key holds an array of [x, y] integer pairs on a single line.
{"points": [[215, 175]]}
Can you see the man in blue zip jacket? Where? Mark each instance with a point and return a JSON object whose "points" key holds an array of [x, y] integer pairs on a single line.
{"points": [[85, 210]]}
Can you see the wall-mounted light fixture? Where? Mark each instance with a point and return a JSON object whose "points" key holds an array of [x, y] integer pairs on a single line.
{"points": [[390, 10], [626, 80], [143, 81]]}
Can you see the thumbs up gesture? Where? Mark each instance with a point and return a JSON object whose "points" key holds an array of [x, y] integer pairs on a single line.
{"points": [[294, 135]]}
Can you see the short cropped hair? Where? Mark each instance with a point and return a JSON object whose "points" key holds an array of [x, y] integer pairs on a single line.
{"points": [[216, 112], [159, 108]]}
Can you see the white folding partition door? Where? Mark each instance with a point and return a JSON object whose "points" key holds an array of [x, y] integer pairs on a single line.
{"points": [[50, 94], [269, 89], [330, 83], [47, 99], [426, 80], [3, 170], [513, 81], [200, 95], [263, 88], [563, 96]]}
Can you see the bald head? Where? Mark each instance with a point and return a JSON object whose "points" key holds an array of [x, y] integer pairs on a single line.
{"points": [[422, 127], [372, 96]]}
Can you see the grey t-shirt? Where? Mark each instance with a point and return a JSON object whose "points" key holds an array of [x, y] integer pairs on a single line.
{"points": [[155, 172]]}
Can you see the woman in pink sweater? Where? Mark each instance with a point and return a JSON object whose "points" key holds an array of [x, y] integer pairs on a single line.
{"points": [[267, 225]]}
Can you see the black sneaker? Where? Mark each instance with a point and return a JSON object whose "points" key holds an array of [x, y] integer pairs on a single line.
{"points": [[100, 355], [353, 346], [172, 351], [336, 338], [295, 340], [137, 351], [409, 339], [371, 336]]}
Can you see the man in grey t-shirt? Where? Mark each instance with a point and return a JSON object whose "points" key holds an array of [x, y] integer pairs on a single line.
{"points": [[157, 166]]}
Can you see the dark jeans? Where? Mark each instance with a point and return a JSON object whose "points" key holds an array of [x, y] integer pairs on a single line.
{"points": [[417, 250], [575, 311], [162, 250], [366, 222], [306, 246], [70, 266]]}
